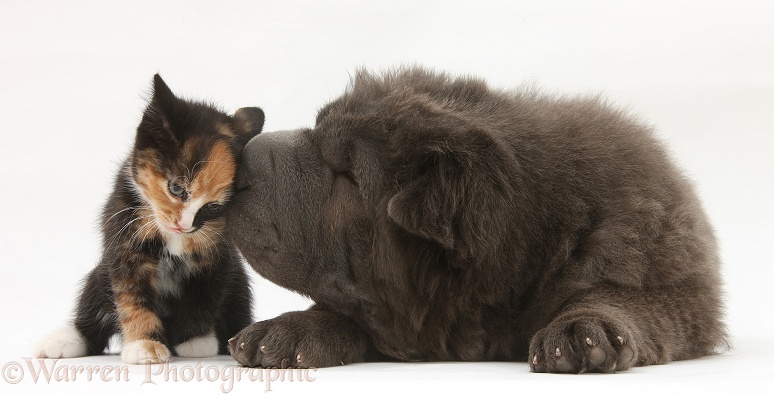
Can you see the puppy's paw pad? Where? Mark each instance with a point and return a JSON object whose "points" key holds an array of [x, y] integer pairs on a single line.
{"points": [[66, 342], [299, 339], [581, 345], [144, 352]]}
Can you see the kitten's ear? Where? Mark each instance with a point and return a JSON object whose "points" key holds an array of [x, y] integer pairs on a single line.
{"points": [[249, 122], [156, 125], [162, 95], [163, 109]]}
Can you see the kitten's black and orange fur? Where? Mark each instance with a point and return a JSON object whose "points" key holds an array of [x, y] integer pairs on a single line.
{"points": [[168, 281]]}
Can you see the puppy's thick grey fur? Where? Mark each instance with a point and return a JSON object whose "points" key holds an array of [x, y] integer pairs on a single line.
{"points": [[433, 218]]}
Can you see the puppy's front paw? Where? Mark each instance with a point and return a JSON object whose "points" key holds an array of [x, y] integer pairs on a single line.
{"points": [[300, 339], [582, 344], [144, 352]]}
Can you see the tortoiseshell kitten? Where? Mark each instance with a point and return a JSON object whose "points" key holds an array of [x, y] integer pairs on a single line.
{"points": [[168, 281]]}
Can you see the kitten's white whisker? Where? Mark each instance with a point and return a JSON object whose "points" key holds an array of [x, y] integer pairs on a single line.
{"points": [[212, 245], [190, 172], [195, 165], [204, 234], [146, 229], [121, 211], [151, 227], [119, 232], [131, 237], [215, 231], [207, 162]]}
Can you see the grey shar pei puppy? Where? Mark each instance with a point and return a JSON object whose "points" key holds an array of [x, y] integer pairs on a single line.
{"points": [[431, 218]]}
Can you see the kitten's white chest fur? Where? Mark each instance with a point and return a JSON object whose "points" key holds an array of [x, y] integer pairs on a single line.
{"points": [[172, 271], [174, 244]]}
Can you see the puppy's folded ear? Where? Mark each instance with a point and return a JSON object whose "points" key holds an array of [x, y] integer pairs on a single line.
{"points": [[455, 190], [427, 203], [249, 122]]}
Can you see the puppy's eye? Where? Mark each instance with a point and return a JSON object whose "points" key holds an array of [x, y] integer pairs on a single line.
{"points": [[349, 176]]}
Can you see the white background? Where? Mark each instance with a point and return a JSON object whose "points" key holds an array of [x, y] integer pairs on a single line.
{"points": [[74, 76]]}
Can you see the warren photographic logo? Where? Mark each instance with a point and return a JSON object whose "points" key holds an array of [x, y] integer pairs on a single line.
{"points": [[48, 371]]}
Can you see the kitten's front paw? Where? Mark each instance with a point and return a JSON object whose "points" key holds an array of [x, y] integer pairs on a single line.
{"points": [[300, 339], [582, 344], [66, 342], [144, 352], [198, 347]]}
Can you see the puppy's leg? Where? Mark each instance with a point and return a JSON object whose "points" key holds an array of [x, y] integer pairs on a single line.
{"points": [[610, 329], [311, 338]]}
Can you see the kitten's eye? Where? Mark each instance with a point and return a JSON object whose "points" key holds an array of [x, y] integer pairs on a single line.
{"points": [[176, 189], [209, 211], [213, 207]]}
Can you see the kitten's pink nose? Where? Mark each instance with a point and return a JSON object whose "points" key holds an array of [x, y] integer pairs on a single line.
{"points": [[175, 229], [182, 226], [186, 220]]}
